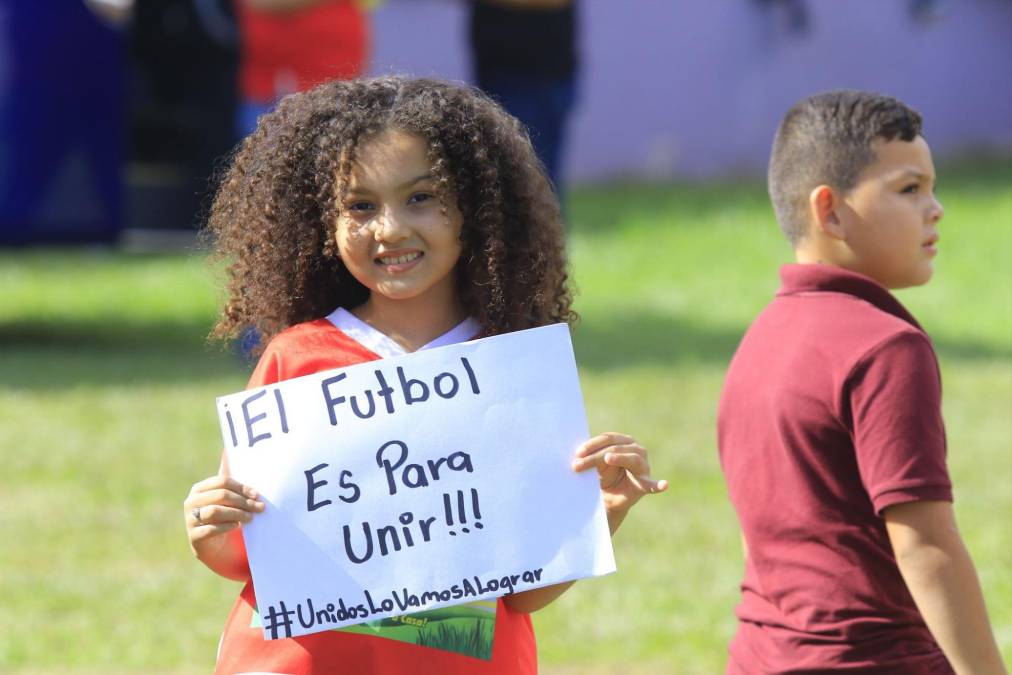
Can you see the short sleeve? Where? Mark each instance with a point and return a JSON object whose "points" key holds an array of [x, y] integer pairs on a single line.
{"points": [[895, 397]]}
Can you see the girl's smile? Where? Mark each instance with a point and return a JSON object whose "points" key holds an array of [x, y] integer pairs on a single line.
{"points": [[399, 261]]}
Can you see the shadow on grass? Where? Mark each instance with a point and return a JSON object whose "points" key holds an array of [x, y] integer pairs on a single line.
{"points": [[42, 355], [968, 350], [110, 333], [47, 355], [644, 338]]}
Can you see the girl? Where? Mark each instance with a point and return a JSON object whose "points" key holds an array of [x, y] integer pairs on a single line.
{"points": [[372, 218]]}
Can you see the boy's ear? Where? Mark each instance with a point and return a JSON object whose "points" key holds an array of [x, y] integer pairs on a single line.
{"points": [[823, 205]]}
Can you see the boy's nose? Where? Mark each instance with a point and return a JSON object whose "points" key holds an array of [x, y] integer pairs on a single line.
{"points": [[937, 210]]}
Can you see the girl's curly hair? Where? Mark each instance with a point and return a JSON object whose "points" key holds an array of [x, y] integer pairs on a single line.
{"points": [[273, 218]]}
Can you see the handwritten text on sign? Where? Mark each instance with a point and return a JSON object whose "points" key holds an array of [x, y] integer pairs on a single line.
{"points": [[417, 482]]}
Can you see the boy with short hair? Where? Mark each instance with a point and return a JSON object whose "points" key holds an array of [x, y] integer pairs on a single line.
{"points": [[830, 430]]}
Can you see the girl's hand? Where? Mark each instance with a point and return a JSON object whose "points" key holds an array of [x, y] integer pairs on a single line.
{"points": [[623, 470], [215, 507]]}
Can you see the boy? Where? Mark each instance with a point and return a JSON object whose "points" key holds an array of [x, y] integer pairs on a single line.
{"points": [[830, 429]]}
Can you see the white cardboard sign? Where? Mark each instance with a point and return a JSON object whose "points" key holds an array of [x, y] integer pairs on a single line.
{"points": [[417, 482]]}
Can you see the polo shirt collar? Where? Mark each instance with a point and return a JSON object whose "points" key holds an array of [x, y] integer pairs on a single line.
{"points": [[810, 278]]}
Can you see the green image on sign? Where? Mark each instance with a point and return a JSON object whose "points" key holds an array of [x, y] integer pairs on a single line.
{"points": [[462, 629]]}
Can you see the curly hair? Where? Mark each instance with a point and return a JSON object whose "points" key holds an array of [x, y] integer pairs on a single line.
{"points": [[274, 215], [826, 139]]}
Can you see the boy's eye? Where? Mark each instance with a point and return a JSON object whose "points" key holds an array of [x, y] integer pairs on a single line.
{"points": [[911, 189]]}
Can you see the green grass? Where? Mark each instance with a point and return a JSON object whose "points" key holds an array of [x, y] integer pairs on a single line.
{"points": [[107, 418]]}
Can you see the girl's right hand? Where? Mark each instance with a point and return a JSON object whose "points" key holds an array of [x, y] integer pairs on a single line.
{"points": [[215, 507]]}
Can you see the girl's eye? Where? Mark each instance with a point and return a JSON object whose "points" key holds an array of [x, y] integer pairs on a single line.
{"points": [[359, 206], [419, 198], [911, 189]]}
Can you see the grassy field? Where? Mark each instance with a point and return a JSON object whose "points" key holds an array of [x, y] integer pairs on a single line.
{"points": [[107, 418]]}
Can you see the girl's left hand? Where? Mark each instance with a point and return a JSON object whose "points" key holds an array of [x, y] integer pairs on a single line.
{"points": [[624, 472]]}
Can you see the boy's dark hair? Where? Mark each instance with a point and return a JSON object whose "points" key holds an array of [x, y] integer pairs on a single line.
{"points": [[826, 139], [273, 218]]}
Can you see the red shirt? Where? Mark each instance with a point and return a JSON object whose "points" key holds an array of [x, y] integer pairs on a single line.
{"points": [[831, 412], [302, 350], [285, 52]]}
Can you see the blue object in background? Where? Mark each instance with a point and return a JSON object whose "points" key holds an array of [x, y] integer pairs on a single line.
{"points": [[544, 107], [61, 124]]}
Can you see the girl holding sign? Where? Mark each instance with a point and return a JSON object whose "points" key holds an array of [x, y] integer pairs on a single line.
{"points": [[373, 218]]}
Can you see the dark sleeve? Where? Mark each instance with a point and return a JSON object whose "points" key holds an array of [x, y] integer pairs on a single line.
{"points": [[895, 398]]}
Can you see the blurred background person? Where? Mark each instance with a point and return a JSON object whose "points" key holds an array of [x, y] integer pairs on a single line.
{"points": [[291, 45], [61, 123], [183, 59], [525, 56], [794, 13]]}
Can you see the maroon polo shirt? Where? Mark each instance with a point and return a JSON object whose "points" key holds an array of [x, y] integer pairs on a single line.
{"points": [[831, 412]]}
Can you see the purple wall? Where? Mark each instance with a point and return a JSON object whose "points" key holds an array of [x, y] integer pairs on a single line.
{"points": [[696, 88]]}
